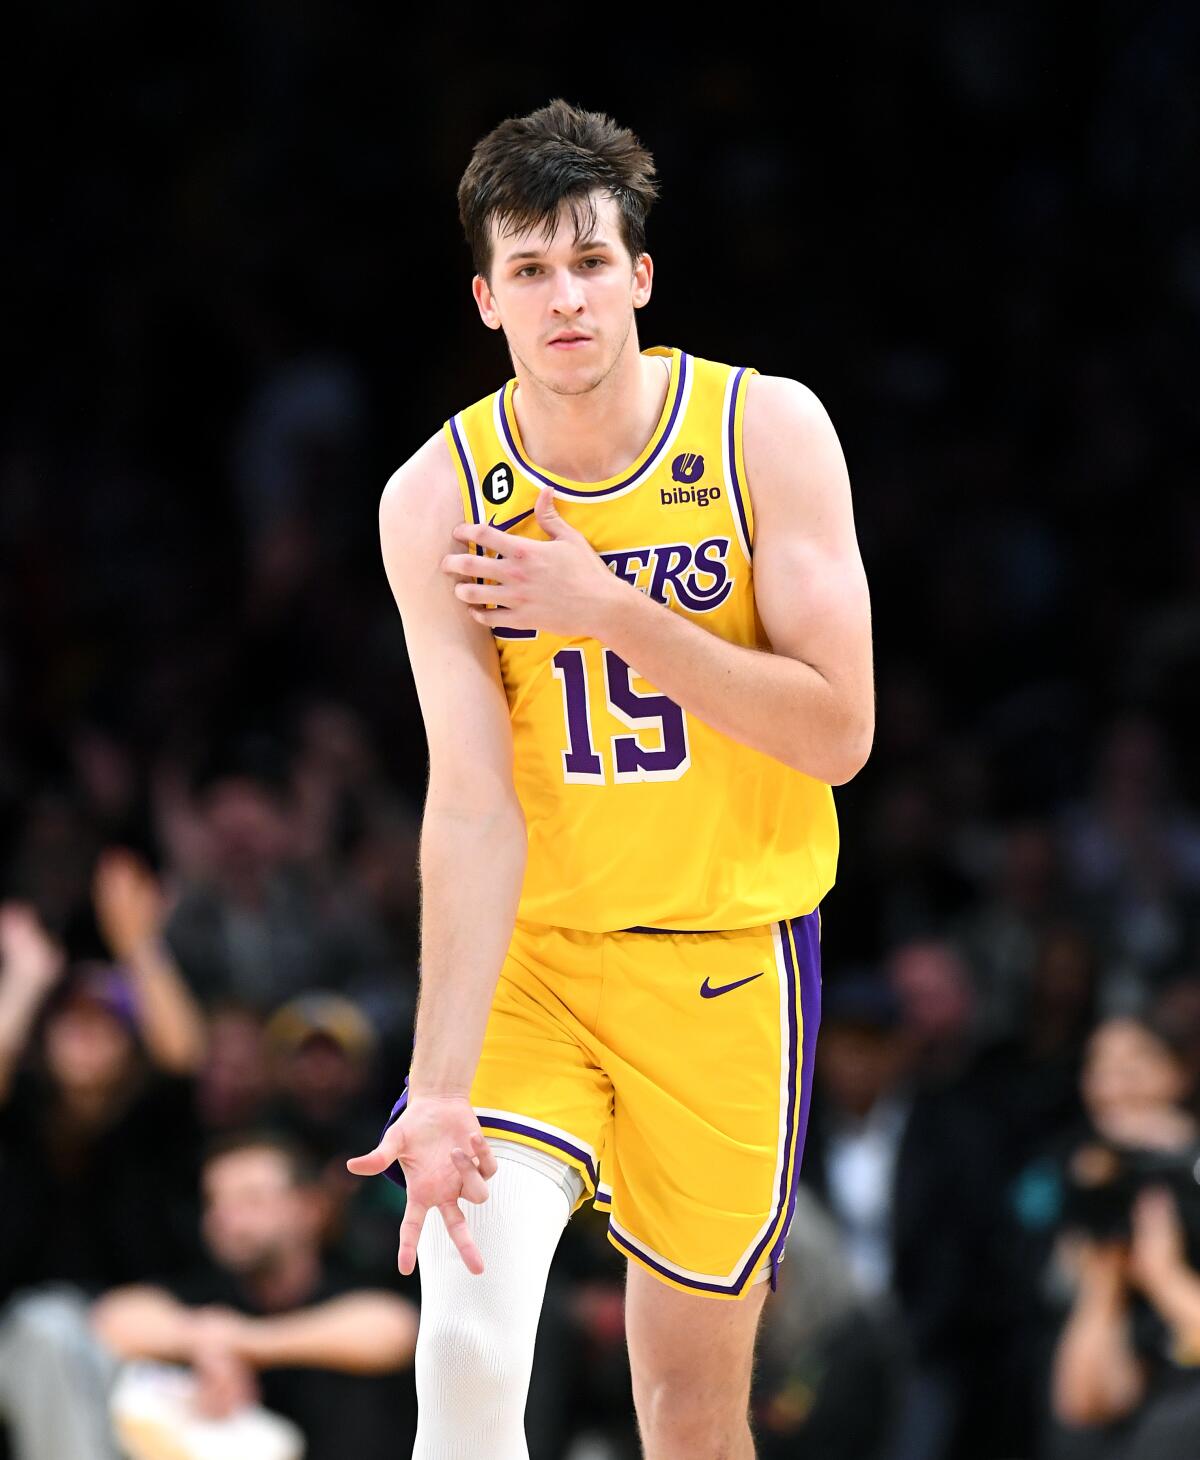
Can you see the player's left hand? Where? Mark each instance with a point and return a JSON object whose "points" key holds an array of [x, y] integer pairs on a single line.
{"points": [[560, 585]]}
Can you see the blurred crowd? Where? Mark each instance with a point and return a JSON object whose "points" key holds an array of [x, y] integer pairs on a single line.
{"points": [[243, 301], [998, 1239]]}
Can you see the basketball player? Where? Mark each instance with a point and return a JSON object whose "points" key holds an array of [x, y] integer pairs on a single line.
{"points": [[640, 631]]}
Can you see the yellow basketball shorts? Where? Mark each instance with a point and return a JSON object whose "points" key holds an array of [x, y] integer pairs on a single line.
{"points": [[673, 1071]]}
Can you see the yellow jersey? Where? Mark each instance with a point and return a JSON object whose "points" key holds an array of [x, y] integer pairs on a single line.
{"points": [[640, 815]]}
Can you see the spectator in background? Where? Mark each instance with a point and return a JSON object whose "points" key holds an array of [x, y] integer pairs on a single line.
{"points": [[233, 1087], [1000, 935], [939, 1005], [357, 841], [903, 1170], [321, 1051], [1033, 1075], [270, 1316], [95, 1061], [828, 1375], [905, 884], [1134, 857], [1126, 1368], [252, 928]]}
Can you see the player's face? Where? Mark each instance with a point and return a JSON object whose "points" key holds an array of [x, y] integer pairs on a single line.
{"points": [[565, 304]]}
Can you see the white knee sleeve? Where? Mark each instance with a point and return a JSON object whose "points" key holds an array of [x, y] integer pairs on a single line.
{"points": [[475, 1342]]}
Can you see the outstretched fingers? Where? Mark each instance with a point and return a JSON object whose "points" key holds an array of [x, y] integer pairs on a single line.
{"points": [[486, 1161], [390, 1148], [474, 1186], [410, 1233], [370, 1164], [460, 1235]]}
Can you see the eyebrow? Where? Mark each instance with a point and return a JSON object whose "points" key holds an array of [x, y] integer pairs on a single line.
{"points": [[536, 253]]}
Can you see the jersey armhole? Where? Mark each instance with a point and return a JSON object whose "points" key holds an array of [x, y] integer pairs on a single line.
{"points": [[464, 467], [733, 457]]}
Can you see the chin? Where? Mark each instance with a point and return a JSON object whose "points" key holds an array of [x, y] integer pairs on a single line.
{"points": [[576, 377]]}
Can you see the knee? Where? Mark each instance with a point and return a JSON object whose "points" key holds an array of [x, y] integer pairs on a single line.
{"points": [[50, 1321], [679, 1417], [470, 1353]]}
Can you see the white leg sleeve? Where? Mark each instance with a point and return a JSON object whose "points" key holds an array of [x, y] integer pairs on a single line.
{"points": [[475, 1342]]}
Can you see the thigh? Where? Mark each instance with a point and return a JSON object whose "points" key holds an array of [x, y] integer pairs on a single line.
{"points": [[538, 1081], [709, 1039]]}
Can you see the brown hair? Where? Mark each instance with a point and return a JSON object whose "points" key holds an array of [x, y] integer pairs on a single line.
{"points": [[525, 168], [303, 1169]]}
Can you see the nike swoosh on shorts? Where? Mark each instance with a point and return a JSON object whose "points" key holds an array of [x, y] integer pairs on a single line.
{"points": [[708, 992]]}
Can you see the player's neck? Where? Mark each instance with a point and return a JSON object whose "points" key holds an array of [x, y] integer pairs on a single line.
{"points": [[597, 434]]}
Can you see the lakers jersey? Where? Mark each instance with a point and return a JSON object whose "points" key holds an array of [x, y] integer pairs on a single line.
{"points": [[639, 814]]}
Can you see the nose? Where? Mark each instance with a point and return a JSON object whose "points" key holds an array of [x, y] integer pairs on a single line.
{"points": [[568, 293]]}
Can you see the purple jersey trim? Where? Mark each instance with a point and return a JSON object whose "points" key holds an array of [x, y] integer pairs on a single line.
{"points": [[734, 480], [582, 493], [498, 631], [465, 463]]}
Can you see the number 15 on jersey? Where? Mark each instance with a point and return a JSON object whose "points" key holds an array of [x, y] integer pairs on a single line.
{"points": [[660, 752]]}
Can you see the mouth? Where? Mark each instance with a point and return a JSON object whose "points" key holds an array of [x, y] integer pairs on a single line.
{"points": [[570, 340]]}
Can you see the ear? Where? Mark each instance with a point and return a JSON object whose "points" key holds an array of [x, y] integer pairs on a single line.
{"points": [[485, 302], [643, 281]]}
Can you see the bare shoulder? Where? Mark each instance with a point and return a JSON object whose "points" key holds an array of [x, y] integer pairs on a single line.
{"points": [[778, 399], [793, 456], [422, 494], [781, 416]]}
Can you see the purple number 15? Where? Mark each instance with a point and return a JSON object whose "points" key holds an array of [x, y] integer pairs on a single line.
{"points": [[632, 761]]}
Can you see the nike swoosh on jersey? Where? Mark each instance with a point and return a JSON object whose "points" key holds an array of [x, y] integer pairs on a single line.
{"points": [[708, 992], [512, 521]]}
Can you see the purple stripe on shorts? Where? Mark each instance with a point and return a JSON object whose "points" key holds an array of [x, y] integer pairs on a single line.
{"points": [[666, 1272], [496, 1122], [532, 471], [807, 933], [781, 1200], [734, 482]]}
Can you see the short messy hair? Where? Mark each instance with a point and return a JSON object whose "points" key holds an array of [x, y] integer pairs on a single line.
{"points": [[527, 167]]}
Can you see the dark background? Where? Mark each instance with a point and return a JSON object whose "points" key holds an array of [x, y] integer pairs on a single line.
{"points": [[238, 298]]}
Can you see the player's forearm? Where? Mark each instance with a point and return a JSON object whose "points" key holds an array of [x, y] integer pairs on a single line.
{"points": [[472, 867], [361, 1333], [778, 705]]}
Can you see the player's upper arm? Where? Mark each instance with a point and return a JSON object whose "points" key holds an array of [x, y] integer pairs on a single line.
{"points": [[453, 658], [809, 583]]}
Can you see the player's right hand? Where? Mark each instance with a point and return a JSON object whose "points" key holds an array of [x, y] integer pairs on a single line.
{"points": [[445, 1156]]}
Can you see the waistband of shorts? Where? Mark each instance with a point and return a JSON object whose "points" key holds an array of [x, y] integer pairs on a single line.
{"points": [[546, 928]]}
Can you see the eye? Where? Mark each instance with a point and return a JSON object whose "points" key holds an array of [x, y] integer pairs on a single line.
{"points": [[594, 261], [526, 269]]}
